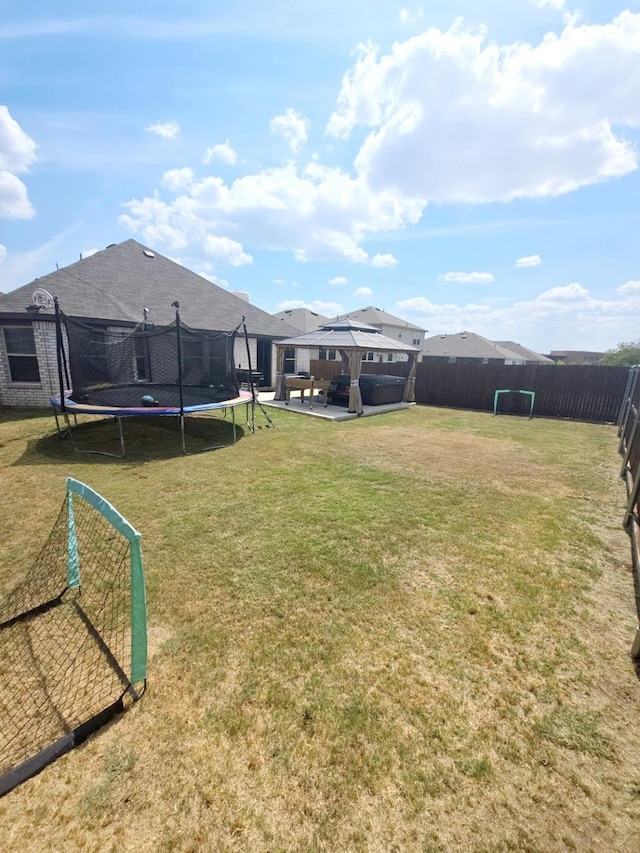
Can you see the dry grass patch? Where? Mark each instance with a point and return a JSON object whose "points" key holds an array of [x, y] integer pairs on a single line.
{"points": [[406, 632]]}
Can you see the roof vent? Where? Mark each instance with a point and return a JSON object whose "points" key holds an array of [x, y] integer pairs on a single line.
{"points": [[110, 245], [148, 253]]}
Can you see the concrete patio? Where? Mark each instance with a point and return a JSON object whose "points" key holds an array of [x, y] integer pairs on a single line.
{"points": [[329, 412]]}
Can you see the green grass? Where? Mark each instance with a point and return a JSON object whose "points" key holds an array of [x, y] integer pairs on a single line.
{"points": [[402, 632]]}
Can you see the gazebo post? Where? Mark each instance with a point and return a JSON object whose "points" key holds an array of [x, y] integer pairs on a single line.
{"points": [[280, 389], [355, 369], [409, 395]]}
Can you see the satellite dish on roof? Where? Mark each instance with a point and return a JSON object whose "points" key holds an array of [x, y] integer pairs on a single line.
{"points": [[42, 298]]}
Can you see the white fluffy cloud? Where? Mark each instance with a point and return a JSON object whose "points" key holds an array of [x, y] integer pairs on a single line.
{"points": [[3, 252], [329, 309], [529, 261], [339, 279], [17, 154], [363, 292], [383, 261], [164, 129], [223, 152], [454, 117], [629, 287], [177, 180], [226, 251], [318, 213], [560, 317], [446, 116], [557, 5], [293, 126], [468, 277], [410, 16]]}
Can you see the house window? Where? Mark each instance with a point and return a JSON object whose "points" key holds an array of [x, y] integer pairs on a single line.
{"points": [[142, 363], [289, 360], [327, 355], [367, 356], [21, 354], [390, 356], [193, 356], [416, 342]]}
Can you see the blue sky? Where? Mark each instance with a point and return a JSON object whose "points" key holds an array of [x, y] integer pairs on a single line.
{"points": [[463, 165]]}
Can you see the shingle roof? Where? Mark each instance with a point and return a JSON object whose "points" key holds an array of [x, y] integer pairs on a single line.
{"points": [[377, 317], [302, 319], [467, 345], [348, 339], [118, 282], [524, 352]]}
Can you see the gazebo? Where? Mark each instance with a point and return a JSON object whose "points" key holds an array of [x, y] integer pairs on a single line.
{"points": [[351, 339]]}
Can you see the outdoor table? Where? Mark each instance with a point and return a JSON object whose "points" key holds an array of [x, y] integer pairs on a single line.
{"points": [[299, 383]]}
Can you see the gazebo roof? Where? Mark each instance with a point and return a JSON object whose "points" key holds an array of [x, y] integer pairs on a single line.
{"points": [[347, 334]]}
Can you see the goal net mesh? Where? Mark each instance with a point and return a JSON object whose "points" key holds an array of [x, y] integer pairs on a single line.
{"points": [[72, 635]]}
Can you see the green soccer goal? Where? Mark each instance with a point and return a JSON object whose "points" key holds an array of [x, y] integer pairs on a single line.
{"points": [[73, 636]]}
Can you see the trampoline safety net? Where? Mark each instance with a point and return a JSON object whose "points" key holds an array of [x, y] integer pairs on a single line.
{"points": [[73, 640], [120, 368]]}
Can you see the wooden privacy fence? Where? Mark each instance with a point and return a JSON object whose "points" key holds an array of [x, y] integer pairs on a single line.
{"points": [[579, 392], [629, 433]]}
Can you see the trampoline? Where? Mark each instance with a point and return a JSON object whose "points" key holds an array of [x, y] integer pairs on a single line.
{"points": [[148, 371]]}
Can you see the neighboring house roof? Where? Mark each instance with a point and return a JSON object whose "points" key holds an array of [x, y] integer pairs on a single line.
{"points": [[377, 317], [467, 345], [524, 352], [575, 356], [344, 336], [302, 319], [118, 282]]}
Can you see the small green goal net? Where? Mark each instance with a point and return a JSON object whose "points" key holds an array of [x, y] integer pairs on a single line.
{"points": [[73, 636]]}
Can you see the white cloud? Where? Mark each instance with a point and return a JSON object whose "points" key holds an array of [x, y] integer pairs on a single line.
{"points": [[557, 5], [226, 251], [339, 279], [382, 261], [529, 261], [448, 116], [17, 148], [320, 213], [565, 293], [88, 252], [363, 292], [561, 317], [3, 252], [18, 152], [178, 179], [468, 277], [164, 129], [455, 117], [214, 279], [14, 200], [223, 152], [279, 281], [293, 126], [329, 309], [409, 16], [629, 287]]}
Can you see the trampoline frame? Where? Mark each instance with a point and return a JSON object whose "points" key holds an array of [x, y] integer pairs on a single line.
{"points": [[68, 409]]}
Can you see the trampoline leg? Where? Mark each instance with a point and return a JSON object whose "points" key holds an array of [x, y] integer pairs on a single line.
{"points": [[211, 446], [69, 432]]}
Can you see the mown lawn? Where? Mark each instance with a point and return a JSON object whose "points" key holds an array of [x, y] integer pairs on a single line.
{"points": [[407, 632]]}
